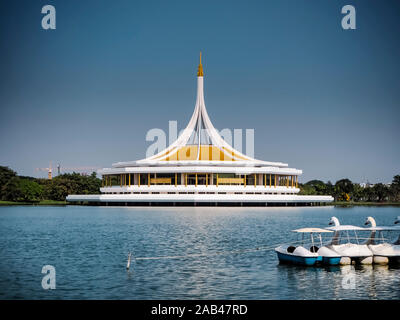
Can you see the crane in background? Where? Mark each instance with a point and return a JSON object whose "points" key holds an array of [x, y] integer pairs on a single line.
{"points": [[49, 171], [82, 170]]}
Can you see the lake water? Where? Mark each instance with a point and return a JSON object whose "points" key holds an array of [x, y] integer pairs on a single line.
{"points": [[88, 247]]}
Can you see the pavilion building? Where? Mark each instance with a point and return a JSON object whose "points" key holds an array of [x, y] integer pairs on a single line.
{"points": [[200, 168]]}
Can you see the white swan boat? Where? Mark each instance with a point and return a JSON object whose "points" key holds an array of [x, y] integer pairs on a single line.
{"points": [[308, 257], [349, 252], [383, 252]]}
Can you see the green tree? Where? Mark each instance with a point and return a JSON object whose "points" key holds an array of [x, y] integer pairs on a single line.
{"points": [[395, 188], [7, 182], [307, 189], [29, 191], [318, 185], [11, 191], [358, 192], [343, 189], [368, 194], [70, 183], [380, 191], [329, 188]]}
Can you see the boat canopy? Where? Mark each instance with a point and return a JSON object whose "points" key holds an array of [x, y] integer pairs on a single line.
{"points": [[311, 230], [384, 228], [346, 228]]}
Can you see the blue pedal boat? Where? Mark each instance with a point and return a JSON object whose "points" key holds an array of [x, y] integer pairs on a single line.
{"points": [[308, 255]]}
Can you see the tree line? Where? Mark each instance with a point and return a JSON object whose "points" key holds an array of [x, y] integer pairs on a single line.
{"points": [[346, 190], [29, 189]]}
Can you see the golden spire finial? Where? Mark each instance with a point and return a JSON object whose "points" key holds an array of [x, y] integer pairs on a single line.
{"points": [[200, 72]]}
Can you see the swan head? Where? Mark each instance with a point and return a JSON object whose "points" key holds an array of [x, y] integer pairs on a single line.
{"points": [[334, 222], [370, 221], [397, 220]]}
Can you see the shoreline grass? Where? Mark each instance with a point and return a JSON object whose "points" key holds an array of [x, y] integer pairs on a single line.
{"points": [[363, 203], [40, 203]]}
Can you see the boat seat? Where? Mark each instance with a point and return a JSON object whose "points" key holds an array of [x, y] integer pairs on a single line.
{"points": [[290, 249], [314, 249]]}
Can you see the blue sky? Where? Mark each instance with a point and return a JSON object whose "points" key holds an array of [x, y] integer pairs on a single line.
{"points": [[323, 99]]}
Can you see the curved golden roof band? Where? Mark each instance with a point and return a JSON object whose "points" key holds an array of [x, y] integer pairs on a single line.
{"points": [[207, 153]]}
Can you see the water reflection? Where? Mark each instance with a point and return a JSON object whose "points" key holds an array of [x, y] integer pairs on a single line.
{"points": [[89, 247], [370, 281]]}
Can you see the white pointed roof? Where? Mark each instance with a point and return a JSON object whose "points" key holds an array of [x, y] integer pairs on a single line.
{"points": [[200, 143]]}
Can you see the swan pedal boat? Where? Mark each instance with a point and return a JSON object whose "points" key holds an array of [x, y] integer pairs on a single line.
{"points": [[308, 257], [350, 252], [383, 252]]}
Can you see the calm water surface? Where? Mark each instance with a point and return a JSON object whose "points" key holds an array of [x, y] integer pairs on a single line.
{"points": [[88, 246]]}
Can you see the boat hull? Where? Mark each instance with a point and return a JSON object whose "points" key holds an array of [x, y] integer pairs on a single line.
{"points": [[353, 253], [304, 261], [364, 260], [345, 261], [381, 260], [331, 261], [384, 260], [385, 253], [328, 256]]}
